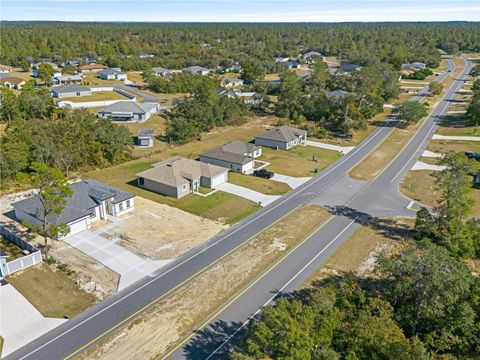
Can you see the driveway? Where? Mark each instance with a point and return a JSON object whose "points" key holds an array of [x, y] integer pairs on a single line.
{"points": [[293, 182], [452, 137], [259, 198], [129, 266], [341, 149], [20, 321]]}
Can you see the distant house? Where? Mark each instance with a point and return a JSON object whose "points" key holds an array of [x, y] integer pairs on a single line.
{"points": [[126, 110], [338, 94], [178, 177], [414, 66], [70, 90], [112, 74], [36, 68], [237, 156], [282, 59], [73, 62], [312, 57], [145, 137], [283, 137], [91, 68], [5, 69], [293, 65], [159, 71], [224, 91], [231, 83], [249, 98], [67, 79], [305, 74], [235, 69], [196, 70], [12, 82], [146, 56], [349, 68], [91, 201]]}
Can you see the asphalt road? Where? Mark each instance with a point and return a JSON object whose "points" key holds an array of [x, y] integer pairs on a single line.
{"points": [[101, 320]]}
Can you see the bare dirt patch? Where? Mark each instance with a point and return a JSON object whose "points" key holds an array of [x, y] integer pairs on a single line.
{"points": [[160, 231], [172, 318]]}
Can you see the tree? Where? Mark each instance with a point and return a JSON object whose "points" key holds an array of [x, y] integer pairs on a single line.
{"points": [[435, 88], [52, 192], [46, 72], [410, 112], [69, 69], [24, 64], [251, 72], [289, 99]]}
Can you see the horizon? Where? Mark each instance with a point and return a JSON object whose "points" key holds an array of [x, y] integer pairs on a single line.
{"points": [[241, 11]]}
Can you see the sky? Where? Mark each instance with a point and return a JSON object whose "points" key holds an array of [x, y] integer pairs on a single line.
{"points": [[240, 10]]}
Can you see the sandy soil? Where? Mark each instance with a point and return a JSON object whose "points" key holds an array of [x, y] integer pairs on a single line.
{"points": [[169, 320], [160, 231]]}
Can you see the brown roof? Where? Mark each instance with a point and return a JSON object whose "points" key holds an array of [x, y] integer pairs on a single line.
{"points": [[11, 80], [92, 67]]}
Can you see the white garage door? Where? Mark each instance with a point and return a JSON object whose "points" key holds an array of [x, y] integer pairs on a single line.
{"points": [[78, 226], [219, 179]]}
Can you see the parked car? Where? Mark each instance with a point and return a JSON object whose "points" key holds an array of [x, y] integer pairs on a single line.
{"points": [[472, 155], [263, 173]]}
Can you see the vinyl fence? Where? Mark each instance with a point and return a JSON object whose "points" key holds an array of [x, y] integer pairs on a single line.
{"points": [[90, 104], [10, 267]]}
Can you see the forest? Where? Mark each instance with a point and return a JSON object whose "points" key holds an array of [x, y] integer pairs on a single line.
{"points": [[179, 45]]}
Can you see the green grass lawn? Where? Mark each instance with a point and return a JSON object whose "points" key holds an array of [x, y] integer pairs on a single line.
{"points": [[298, 161], [53, 293], [265, 186], [12, 250], [458, 146], [97, 96], [457, 125]]}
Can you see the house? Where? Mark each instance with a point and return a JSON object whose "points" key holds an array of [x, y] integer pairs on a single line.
{"points": [[12, 82], [112, 74], [249, 98], [91, 68], [348, 68], [293, 65], [282, 137], [126, 110], [70, 90], [178, 177], [67, 79], [414, 66], [476, 179], [159, 71], [282, 59], [5, 69], [236, 156], [337, 94], [145, 137], [36, 68], [224, 91], [234, 69], [91, 201], [231, 83], [196, 70], [145, 55], [312, 57]]}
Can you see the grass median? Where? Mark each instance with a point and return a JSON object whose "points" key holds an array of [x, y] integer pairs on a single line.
{"points": [[157, 330]]}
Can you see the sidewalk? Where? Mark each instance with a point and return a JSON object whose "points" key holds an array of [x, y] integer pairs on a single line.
{"points": [[342, 149]]}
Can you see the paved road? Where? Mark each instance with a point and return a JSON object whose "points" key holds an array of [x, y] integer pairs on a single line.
{"points": [[379, 197], [77, 334]]}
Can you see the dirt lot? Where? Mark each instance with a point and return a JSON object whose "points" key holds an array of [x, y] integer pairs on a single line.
{"points": [[171, 319], [160, 231]]}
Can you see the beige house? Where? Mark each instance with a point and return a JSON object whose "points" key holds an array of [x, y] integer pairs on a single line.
{"points": [[282, 137], [12, 82], [236, 156], [178, 177]]}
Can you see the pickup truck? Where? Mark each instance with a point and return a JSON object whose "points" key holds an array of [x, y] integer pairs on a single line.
{"points": [[263, 173]]}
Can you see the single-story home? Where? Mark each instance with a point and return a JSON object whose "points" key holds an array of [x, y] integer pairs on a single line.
{"points": [[146, 55], [348, 68], [312, 57], [337, 94], [282, 137], [159, 71], [91, 201], [70, 90], [231, 83], [237, 156], [5, 69], [145, 137], [67, 79], [112, 74], [196, 70], [249, 98], [12, 82], [91, 67], [125, 110], [282, 59], [178, 177], [414, 66]]}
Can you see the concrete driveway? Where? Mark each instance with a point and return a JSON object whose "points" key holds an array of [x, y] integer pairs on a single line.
{"points": [[20, 321], [131, 267], [293, 182], [248, 194]]}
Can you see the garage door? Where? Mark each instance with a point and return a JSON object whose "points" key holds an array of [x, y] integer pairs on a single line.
{"points": [[219, 179], [78, 226]]}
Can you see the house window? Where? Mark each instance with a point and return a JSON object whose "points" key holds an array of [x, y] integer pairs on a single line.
{"points": [[120, 206], [184, 187], [128, 204], [78, 94]]}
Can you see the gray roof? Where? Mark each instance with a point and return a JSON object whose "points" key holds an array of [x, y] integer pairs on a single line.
{"points": [[233, 152], [86, 196], [349, 67], [70, 88], [177, 171], [110, 72], [195, 68], [312, 54], [145, 132], [157, 70], [126, 106], [282, 133], [338, 93]]}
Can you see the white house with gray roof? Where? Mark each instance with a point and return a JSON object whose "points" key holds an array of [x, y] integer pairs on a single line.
{"points": [[145, 137], [112, 74], [178, 177], [159, 71], [282, 137], [126, 110], [238, 156], [91, 201], [70, 90], [196, 70]]}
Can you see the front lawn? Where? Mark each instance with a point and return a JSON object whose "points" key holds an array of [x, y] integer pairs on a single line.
{"points": [[97, 96], [265, 186], [298, 161]]}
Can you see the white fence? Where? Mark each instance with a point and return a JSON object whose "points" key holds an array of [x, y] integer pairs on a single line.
{"points": [[10, 267], [90, 104]]}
